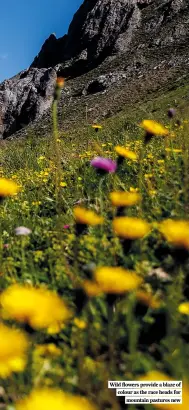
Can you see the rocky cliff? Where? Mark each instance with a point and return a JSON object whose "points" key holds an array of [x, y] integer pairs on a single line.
{"points": [[114, 50]]}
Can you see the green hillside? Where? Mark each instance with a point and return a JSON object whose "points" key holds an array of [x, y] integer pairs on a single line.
{"points": [[119, 329]]}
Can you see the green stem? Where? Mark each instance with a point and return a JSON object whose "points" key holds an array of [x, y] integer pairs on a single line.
{"points": [[56, 151]]}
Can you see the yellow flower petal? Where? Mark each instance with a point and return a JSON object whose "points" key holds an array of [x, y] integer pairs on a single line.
{"points": [[154, 128], [130, 228], [13, 348], [176, 232], [124, 198], [7, 187], [54, 399], [124, 152], [40, 308], [87, 217], [116, 279]]}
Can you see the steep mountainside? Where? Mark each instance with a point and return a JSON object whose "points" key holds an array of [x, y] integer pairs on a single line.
{"points": [[116, 51]]}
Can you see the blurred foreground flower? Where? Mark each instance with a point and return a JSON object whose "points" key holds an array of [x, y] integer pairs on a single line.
{"points": [[86, 217], [58, 87], [130, 228], [153, 128], [176, 232], [22, 230], [13, 348], [53, 399], [125, 153], [116, 280], [154, 375], [40, 308], [104, 164], [7, 188], [121, 198]]}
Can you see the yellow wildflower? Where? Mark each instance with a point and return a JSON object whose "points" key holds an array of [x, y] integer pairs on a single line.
{"points": [[148, 176], [154, 375], [131, 189], [40, 308], [148, 299], [86, 217], [63, 184], [176, 232], [13, 347], [97, 126], [49, 349], [81, 324], [176, 150], [130, 228], [184, 308], [154, 128], [48, 399], [41, 158], [124, 152], [152, 192], [124, 198], [116, 279], [7, 188]]}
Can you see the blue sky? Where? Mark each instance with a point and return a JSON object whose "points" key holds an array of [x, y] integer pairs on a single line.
{"points": [[25, 25]]}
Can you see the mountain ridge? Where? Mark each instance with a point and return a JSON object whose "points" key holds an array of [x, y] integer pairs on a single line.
{"points": [[113, 49]]}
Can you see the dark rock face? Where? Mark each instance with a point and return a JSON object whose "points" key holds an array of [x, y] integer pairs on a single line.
{"points": [[24, 98], [101, 29], [117, 42], [52, 52]]}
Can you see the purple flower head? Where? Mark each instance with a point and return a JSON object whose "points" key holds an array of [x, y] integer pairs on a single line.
{"points": [[171, 112], [104, 164], [66, 226]]}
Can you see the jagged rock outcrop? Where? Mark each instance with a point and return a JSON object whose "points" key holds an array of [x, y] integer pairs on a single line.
{"points": [[108, 28], [95, 33], [114, 47], [24, 98]]}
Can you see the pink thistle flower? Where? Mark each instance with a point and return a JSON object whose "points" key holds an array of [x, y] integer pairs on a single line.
{"points": [[104, 164], [66, 226]]}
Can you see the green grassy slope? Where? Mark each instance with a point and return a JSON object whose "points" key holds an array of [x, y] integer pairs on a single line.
{"points": [[54, 174]]}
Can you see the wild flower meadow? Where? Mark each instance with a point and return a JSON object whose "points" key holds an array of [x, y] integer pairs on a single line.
{"points": [[94, 270]]}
